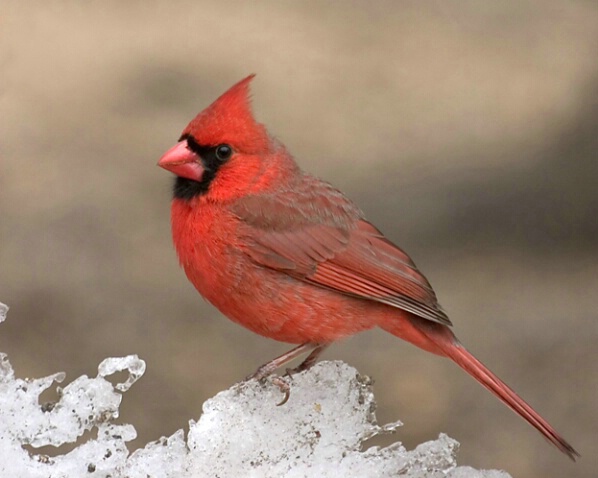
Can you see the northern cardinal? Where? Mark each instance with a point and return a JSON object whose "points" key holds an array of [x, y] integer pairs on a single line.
{"points": [[291, 258]]}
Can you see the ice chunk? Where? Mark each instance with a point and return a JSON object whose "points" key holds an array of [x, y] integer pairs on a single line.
{"points": [[3, 311], [166, 458], [84, 404], [319, 432], [131, 363]]}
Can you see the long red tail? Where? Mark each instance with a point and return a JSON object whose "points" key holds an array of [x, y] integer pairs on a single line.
{"points": [[478, 370], [439, 339]]}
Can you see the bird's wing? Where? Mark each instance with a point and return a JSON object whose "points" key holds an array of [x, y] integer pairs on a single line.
{"points": [[347, 255]]}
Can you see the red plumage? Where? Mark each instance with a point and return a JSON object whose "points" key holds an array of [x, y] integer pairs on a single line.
{"points": [[291, 258]]}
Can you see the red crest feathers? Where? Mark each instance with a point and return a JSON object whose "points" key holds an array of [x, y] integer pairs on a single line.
{"points": [[230, 120]]}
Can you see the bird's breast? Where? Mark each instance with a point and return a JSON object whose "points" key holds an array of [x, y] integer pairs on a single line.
{"points": [[204, 241]]}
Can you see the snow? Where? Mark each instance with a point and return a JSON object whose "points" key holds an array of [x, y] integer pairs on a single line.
{"points": [[319, 432]]}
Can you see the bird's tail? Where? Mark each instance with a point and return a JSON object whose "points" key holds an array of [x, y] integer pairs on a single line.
{"points": [[478, 370], [439, 339]]}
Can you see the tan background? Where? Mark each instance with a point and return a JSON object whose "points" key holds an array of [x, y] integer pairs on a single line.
{"points": [[467, 131]]}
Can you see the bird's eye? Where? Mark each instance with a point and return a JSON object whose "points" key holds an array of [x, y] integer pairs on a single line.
{"points": [[223, 152]]}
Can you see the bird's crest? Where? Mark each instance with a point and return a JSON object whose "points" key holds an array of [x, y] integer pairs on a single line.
{"points": [[230, 120]]}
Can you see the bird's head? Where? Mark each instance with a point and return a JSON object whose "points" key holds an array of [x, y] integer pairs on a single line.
{"points": [[223, 150]]}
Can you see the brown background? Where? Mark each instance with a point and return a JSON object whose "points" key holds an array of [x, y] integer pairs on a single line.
{"points": [[466, 130]]}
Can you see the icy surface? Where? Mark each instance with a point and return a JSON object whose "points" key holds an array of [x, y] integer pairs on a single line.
{"points": [[3, 311], [319, 432]]}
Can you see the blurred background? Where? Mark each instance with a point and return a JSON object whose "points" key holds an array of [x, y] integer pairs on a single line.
{"points": [[466, 130]]}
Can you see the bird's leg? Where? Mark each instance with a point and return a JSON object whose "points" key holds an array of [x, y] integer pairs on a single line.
{"points": [[267, 369], [309, 361]]}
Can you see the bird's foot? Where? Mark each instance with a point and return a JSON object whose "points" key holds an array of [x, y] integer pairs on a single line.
{"points": [[267, 369], [263, 373]]}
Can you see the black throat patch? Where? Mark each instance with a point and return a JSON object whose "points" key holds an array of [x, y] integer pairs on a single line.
{"points": [[187, 189]]}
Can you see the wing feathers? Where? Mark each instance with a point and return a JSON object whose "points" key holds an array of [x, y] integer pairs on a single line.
{"points": [[355, 259]]}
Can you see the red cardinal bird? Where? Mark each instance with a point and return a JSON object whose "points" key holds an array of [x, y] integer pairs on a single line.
{"points": [[291, 258]]}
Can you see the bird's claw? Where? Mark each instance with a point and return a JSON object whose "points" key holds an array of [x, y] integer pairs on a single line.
{"points": [[280, 382], [284, 387]]}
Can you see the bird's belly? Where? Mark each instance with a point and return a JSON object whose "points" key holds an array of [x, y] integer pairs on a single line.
{"points": [[277, 306]]}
